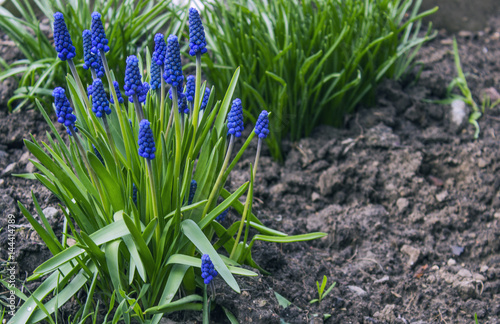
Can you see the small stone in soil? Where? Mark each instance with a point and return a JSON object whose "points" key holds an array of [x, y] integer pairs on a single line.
{"points": [[412, 252], [358, 291], [50, 213], [9, 169]]}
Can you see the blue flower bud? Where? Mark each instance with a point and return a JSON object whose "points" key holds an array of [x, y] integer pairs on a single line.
{"points": [[62, 39], [91, 60], [64, 111], [181, 100], [146, 141], [235, 119], [262, 125], [133, 84], [208, 272], [160, 50], [134, 193], [222, 216], [118, 93], [190, 88], [155, 75], [192, 191], [197, 41], [99, 41], [204, 102], [173, 67], [100, 103], [98, 154]]}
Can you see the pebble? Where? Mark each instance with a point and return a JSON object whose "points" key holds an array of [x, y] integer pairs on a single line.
{"points": [[435, 267], [387, 314], [484, 268], [412, 252], [358, 291], [402, 204], [451, 262], [382, 280], [50, 213], [30, 168], [2, 181], [9, 169], [442, 196], [24, 158], [315, 196]]}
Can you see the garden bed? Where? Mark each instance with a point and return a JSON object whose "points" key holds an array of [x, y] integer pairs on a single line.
{"points": [[410, 201]]}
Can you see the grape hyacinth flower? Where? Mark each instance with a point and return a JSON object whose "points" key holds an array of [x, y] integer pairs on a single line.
{"points": [[99, 40], [89, 91], [64, 111], [91, 60], [116, 85], [197, 41], [155, 75], [133, 84], [100, 103], [134, 194], [98, 154], [192, 191], [208, 272], [160, 50], [144, 93], [235, 119], [190, 88], [62, 39], [262, 125], [173, 68], [181, 100], [146, 141], [222, 216], [204, 102]]}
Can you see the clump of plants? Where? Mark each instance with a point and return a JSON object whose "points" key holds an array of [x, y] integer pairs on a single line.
{"points": [[310, 62], [139, 178], [126, 23]]}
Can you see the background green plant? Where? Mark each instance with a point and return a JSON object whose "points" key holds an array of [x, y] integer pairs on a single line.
{"points": [[129, 25], [310, 62]]}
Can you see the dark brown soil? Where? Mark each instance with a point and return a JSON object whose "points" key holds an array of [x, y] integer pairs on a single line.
{"points": [[410, 202]]}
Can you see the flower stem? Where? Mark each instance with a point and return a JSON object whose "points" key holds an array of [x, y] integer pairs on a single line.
{"points": [[94, 75], [178, 153], [152, 184], [80, 86], [197, 92], [215, 189], [257, 156], [138, 108], [162, 100]]}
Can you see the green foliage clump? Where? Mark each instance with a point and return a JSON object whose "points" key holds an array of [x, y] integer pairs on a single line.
{"points": [[129, 24], [310, 62]]}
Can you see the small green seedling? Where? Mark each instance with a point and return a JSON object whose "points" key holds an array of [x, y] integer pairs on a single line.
{"points": [[321, 290]]}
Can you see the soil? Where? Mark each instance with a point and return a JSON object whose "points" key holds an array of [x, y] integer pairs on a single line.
{"points": [[409, 199]]}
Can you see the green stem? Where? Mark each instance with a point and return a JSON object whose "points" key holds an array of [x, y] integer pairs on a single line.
{"points": [[240, 229], [197, 93], [178, 149], [80, 86], [215, 189], [162, 100], [138, 108], [94, 75], [257, 156], [152, 184]]}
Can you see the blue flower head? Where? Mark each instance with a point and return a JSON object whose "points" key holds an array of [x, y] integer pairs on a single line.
{"points": [[204, 102], [100, 103], [133, 84], [91, 60], [262, 125], [160, 50], [190, 88], [235, 119], [192, 191], [146, 141], [98, 154], [173, 68], [181, 100], [116, 85], [89, 91], [155, 75], [64, 111], [208, 272], [197, 41], [62, 39], [99, 40], [144, 93], [222, 216], [134, 193]]}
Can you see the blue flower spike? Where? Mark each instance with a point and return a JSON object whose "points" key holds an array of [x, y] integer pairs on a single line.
{"points": [[64, 111], [98, 154], [134, 194], [100, 103], [91, 60], [208, 272], [146, 141], [222, 216], [89, 91], [190, 88], [173, 67], [235, 119], [160, 50], [155, 75], [192, 191], [204, 102], [62, 39], [181, 100], [99, 40], [144, 93], [116, 85], [262, 125], [197, 41], [133, 84]]}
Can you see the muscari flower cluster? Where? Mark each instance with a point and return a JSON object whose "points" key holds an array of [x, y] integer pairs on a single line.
{"points": [[99, 40], [155, 75], [63, 109], [204, 102], [173, 68], [190, 88], [197, 41], [133, 84], [62, 39], [91, 60], [262, 125], [192, 191], [100, 103], [181, 100], [146, 141], [160, 50], [208, 272], [116, 85], [235, 119], [98, 154]]}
